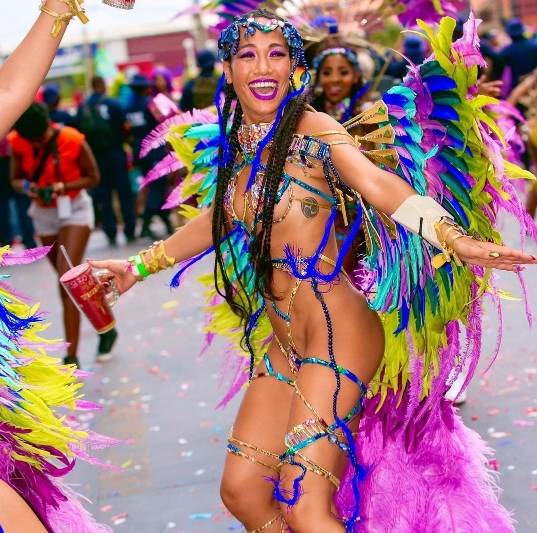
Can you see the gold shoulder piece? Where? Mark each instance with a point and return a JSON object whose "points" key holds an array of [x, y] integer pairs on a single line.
{"points": [[386, 157], [375, 114], [385, 135], [389, 223], [333, 132]]}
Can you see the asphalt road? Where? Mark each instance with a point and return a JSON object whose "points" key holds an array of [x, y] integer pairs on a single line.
{"points": [[159, 395]]}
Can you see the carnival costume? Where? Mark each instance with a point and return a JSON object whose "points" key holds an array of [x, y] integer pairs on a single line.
{"points": [[412, 466], [38, 446]]}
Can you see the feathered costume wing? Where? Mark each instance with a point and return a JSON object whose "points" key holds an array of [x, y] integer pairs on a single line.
{"points": [[38, 446], [423, 461]]}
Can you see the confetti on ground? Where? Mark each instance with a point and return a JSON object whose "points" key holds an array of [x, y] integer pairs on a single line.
{"points": [[170, 305]]}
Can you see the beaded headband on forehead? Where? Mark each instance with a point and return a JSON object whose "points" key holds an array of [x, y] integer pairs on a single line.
{"points": [[348, 54], [228, 44]]}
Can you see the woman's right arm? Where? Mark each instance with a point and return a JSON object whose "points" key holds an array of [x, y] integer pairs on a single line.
{"points": [[191, 240], [26, 68]]}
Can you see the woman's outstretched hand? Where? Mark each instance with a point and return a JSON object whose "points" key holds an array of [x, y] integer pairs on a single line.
{"points": [[491, 255], [119, 271]]}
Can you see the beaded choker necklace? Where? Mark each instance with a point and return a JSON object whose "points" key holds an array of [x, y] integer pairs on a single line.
{"points": [[250, 137]]}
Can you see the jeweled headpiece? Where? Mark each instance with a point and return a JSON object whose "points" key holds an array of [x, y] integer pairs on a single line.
{"points": [[228, 44], [346, 52]]}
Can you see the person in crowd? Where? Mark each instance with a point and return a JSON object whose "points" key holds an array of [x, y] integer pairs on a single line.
{"points": [[340, 80], [55, 167], [414, 50], [524, 95], [281, 174], [141, 123], [199, 92], [102, 120], [489, 49], [162, 82], [520, 56], [21, 201], [51, 98]]}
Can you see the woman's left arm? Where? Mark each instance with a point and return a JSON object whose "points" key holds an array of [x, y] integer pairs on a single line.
{"points": [[393, 196]]}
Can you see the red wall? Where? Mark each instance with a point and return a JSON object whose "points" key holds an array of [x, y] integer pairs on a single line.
{"points": [[166, 49]]}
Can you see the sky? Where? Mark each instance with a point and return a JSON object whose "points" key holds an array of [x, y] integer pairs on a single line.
{"points": [[102, 17]]}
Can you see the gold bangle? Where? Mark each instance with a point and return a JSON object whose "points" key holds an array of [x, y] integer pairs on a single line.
{"points": [[456, 258], [76, 9], [447, 248], [159, 260], [57, 25]]}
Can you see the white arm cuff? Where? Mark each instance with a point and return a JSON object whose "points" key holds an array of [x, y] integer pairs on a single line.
{"points": [[421, 212]]}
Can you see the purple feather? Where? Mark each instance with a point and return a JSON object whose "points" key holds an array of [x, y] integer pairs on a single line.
{"points": [[24, 257]]}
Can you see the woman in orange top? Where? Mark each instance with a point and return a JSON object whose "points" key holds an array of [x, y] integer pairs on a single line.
{"points": [[55, 166]]}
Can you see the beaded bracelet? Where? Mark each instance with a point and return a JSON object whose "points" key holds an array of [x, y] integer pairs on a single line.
{"points": [[138, 268]]}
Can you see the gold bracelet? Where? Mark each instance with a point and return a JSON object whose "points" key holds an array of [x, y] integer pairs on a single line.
{"points": [[57, 26], [159, 260], [456, 258], [447, 248], [75, 10]]}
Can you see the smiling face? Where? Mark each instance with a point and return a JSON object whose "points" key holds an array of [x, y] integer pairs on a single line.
{"points": [[336, 77], [260, 74]]}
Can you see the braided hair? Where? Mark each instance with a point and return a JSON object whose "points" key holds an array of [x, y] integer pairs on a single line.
{"points": [[260, 252]]}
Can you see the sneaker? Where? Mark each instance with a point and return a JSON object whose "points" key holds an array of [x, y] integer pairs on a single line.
{"points": [[130, 238], [106, 343], [71, 360]]}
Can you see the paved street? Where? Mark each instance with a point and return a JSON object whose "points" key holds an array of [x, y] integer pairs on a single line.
{"points": [[159, 395]]}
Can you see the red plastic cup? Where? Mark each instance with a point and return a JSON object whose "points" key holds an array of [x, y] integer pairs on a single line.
{"points": [[88, 295], [122, 4]]}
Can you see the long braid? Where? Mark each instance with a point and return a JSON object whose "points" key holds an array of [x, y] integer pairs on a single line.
{"points": [[260, 250], [220, 227]]}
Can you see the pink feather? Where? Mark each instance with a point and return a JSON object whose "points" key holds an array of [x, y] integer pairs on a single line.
{"points": [[24, 257], [168, 165]]}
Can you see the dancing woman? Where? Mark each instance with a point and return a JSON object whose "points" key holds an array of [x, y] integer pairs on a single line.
{"points": [[283, 173]]}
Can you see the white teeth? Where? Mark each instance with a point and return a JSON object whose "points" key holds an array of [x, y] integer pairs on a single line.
{"points": [[262, 84]]}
